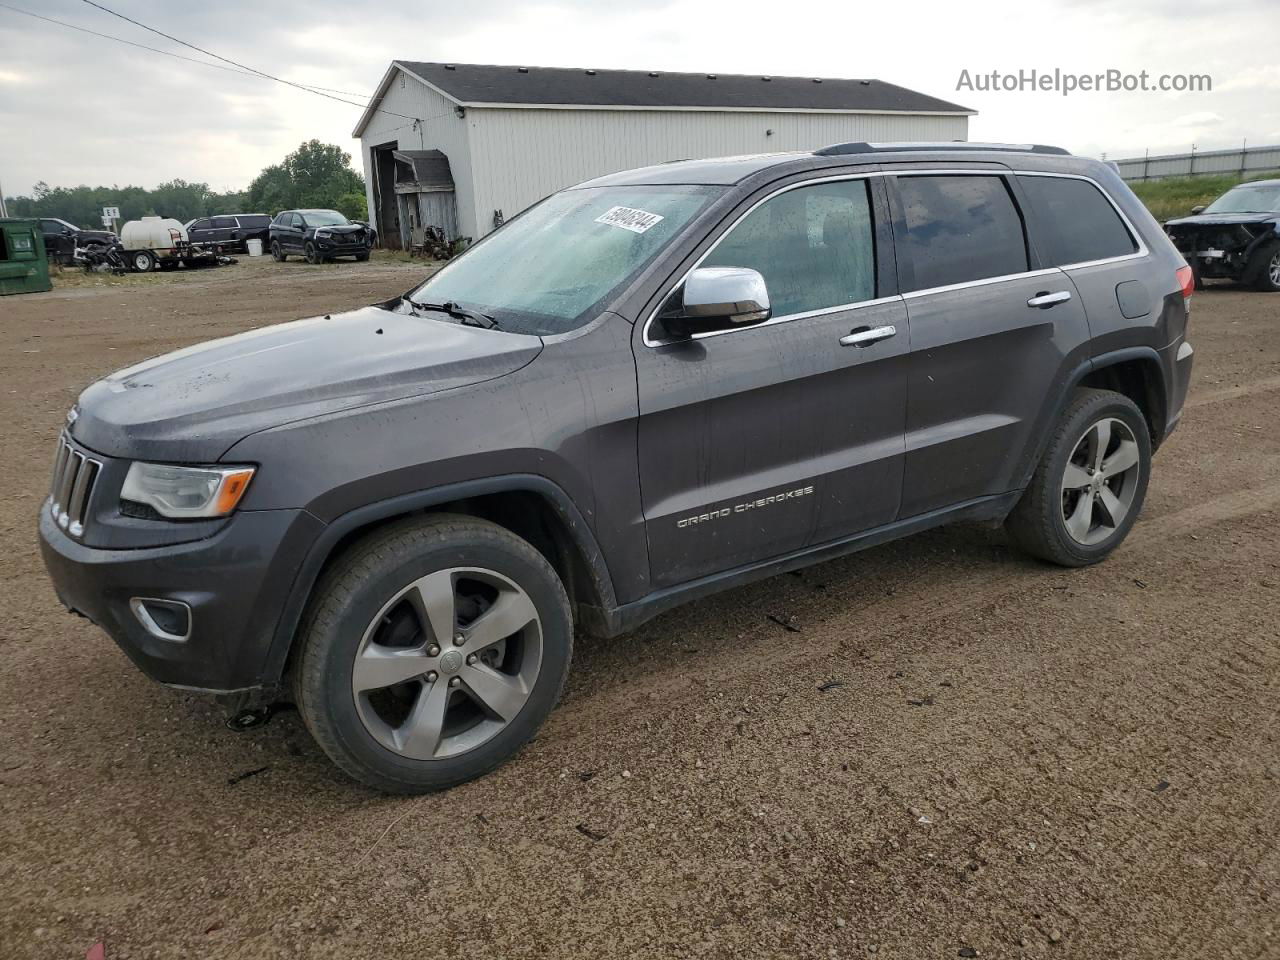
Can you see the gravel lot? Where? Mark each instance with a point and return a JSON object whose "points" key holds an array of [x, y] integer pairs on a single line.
{"points": [[932, 747]]}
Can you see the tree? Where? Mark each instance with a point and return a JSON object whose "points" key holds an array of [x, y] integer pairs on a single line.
{"points": [[315, 175], [353, 206]]}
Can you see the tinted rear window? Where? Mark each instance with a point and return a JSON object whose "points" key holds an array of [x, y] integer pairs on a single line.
{"points": [[1076, 223], [961, 228], [256, 220]]}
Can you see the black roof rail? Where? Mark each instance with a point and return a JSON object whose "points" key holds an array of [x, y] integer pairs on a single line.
{"points": [[860, 146]]}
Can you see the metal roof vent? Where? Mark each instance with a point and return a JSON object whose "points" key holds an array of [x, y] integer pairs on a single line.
{"points": [[450, 66], [590, 73], [522, 69], [654, 73], [865, 83], [711, 76], [766, 79], [817, 79]]}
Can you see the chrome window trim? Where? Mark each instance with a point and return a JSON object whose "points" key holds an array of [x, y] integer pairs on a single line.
{"points": [[1142, 250], [648, 324], [983, 282]]}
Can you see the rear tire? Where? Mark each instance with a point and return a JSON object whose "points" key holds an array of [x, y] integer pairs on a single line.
{"points": [[432, 651], [1089, 486], [1268, 278], [277, 252], [143, 261]]}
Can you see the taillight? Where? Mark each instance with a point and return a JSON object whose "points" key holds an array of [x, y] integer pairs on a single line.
{"points": [[1186, 280]]}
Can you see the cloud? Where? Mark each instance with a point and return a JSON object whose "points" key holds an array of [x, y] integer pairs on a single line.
{"points": [[77, 109]]}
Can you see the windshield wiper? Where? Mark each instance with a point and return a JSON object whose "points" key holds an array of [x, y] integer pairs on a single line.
{"points": [[472, 318]]}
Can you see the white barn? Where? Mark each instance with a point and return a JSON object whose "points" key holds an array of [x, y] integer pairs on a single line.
{"points": [[463, 146]]}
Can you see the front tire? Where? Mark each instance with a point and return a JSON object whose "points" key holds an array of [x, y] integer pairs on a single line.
{"points": [[432, 652], [313, 255], [277, 252], [1268, 278], [1089, 486], [144, 261]]}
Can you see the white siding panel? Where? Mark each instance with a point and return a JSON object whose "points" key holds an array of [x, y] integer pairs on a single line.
{"points": [[521, 155], [441, 130]]}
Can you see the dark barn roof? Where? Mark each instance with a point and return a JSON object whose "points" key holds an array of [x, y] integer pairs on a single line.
{"points": [[483, 84], [429, 168]]}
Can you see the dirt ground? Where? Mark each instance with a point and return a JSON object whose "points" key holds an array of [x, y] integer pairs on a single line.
{"points": [[931, 748]]}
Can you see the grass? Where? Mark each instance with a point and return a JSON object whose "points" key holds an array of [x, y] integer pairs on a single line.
{"points": [[1175, 196]]}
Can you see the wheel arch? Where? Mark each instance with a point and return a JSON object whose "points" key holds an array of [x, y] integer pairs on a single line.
{"points": [[530, 506], [1135, 372], [1138, 375]]}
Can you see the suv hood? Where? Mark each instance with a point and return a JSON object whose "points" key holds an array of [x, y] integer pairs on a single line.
{"points": [[1222, 219], [194, 404]]}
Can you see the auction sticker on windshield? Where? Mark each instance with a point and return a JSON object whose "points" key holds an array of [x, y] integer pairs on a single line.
{"points": [[629, 218]]}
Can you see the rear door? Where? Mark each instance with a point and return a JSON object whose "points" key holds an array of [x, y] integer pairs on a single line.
{"points": [[993, 333], [756, 442], [1079, 229], [296, 227], [222, 231]]}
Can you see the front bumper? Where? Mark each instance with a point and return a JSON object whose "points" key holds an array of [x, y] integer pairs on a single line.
{"points": [[234, 582]]}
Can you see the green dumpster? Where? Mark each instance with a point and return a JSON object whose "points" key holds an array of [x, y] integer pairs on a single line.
{"points": [[24, 268]]}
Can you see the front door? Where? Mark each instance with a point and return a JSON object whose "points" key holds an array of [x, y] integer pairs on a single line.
{"points": [[756, 442], [991, 333]]}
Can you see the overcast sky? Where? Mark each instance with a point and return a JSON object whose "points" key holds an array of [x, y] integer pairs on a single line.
{"points": [[76, 109]]}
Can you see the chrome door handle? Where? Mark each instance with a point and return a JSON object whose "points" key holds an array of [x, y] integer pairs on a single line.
{"points": [[866, 336], [1046, 300]]}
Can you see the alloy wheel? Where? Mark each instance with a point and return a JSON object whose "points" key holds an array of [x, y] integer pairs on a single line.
{"points": [[1273, 269], [1100, 481], [447, 663]]}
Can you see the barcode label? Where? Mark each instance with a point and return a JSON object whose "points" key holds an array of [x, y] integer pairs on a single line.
{"points": [[629, 218]]}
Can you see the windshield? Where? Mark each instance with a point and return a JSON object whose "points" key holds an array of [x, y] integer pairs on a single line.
{"points": [[550, 269], [1248, 198], [324, 218]]}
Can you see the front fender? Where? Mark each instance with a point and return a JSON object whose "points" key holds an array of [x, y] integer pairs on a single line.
{"points": [[358, 519]]}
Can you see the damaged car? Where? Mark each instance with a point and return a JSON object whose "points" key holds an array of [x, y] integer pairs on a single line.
{"points": [[1237, 237], [318, 235]]}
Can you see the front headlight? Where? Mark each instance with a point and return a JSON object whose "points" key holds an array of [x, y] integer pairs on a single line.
{"points": [[322, 233], [182, 493]]}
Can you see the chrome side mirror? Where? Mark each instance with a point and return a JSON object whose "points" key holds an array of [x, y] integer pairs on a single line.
{"points": [[1198, 208], [717, 298]]}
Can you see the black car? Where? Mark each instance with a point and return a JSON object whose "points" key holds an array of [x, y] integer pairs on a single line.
{"points": [[1237, 237], [61, 239], [230, 231], [644, 389], [318, 235]]}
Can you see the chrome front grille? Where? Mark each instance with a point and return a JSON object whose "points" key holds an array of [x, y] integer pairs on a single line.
{"points": [[73, 478]]}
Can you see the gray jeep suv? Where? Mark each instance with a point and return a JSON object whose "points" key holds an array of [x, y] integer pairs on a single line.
{"points": [[644, 389]]}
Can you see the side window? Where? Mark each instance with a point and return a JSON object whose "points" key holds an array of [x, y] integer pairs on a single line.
{"points": [[814, 246], [1075, 222], [298, 222], [199, 225], [222, 223], [961, 228]]}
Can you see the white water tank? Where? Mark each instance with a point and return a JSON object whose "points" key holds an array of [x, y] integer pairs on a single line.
{"points": [[152, 233]]}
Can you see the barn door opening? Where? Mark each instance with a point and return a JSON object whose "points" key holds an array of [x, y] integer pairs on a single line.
{"points": [[386, 210]]}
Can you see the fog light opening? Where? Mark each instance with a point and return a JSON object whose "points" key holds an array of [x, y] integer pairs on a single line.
{"points": [[163, 619]]}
